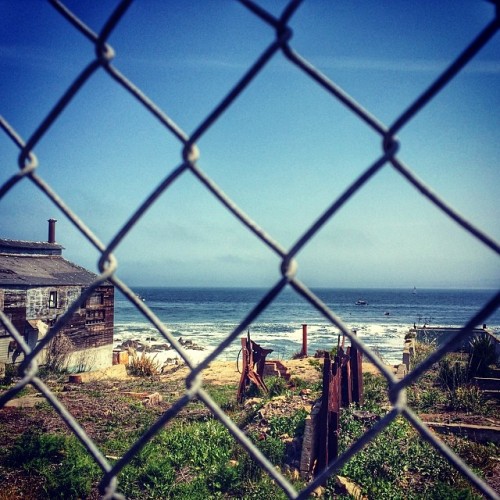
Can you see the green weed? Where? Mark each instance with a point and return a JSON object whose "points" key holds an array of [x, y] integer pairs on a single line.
{"points": [[277, 386], [425, 398], [197, 463], [292, 425], [224, 396], [273, 448], [452, 373], [467, 398], [396, 462], [374, 391], [59, 463]]}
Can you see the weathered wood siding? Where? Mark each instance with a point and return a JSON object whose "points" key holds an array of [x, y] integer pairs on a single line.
{"points": [[98, 319], [14, 307], [90, 326]]}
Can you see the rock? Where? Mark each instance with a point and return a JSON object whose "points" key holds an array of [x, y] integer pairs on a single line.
{"points": [[318, 492], [153, 399], [279, 399], [253, 401], [135, 395], [350, 487], [69, 388], [161, 347], [365, 416]]}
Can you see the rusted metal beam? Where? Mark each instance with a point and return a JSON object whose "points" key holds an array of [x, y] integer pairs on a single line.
{"points": [[254, 360]]}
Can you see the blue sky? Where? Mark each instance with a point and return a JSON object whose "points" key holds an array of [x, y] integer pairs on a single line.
{"points": [[283, 151]]}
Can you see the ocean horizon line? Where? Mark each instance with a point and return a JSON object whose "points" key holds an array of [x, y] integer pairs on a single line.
{"points": [[244, 287]]}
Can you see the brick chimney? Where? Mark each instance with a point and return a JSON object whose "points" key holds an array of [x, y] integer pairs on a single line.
{"points": [[52, 230]]}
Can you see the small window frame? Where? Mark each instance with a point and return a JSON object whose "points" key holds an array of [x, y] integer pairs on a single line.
{"points": [[95, 300], [53, 299]]}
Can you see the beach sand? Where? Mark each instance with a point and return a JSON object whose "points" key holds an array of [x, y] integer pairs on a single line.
{"points": [[226, 372]]}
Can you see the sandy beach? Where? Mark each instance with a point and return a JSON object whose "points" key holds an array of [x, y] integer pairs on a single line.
{"points": [[226, 372]]}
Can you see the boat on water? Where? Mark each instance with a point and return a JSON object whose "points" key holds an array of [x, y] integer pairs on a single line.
{"points": [[361, 302]]}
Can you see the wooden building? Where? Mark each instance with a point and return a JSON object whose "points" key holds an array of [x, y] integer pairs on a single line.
{"points": [[37, 285]]}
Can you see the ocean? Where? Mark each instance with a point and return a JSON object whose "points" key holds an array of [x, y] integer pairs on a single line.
{"points": [[207, 315]]}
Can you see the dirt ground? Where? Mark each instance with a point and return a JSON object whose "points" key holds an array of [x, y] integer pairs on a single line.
{"points": [[227, 372], [103, 402]]}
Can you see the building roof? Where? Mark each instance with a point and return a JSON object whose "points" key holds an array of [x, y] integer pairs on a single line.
{"points": [[41, 270], [30, 247]]}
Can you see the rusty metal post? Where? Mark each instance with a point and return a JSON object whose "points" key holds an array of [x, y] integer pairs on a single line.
{"points": [[334, 411], [345, 376], [304, 340], [356, 359], [254, 360], [321, 443], [329, 415], [244, 371]]}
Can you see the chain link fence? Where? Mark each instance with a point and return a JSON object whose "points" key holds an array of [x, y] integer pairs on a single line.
{"points": [[103, 63]]}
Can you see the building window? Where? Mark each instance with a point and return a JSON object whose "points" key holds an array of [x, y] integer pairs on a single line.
{"points": [[52, 300], [95, 299], [94, 316]]}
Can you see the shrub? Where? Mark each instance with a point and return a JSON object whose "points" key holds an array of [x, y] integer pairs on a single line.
{"points": [[481, 355], [422, 352], [11, 372], [317, 364], [57, 353], [452, 373], [425, 398], [298, 384], [467, 398], [224, 396], [143, 365], [374, 391]]}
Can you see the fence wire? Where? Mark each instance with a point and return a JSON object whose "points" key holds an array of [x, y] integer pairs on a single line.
{"points": [[27, 172]]}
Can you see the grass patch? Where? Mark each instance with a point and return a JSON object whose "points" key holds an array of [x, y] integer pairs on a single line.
{"points": [[195, 456], [59, 464], [397, 462]]}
